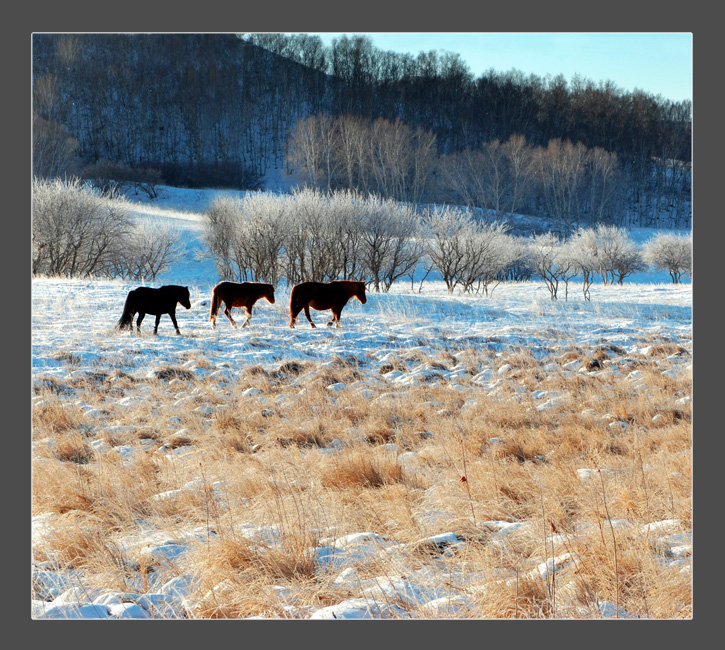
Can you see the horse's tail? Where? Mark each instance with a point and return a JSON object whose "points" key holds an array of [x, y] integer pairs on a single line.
{"points": [[294, 305], [294, 302], [126, 320], [215, 302]]}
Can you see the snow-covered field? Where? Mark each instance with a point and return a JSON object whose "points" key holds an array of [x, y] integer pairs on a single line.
{"points": [[75, 319]]}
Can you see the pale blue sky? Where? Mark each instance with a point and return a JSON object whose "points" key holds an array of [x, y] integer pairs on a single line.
{"points": [[657, 63]]}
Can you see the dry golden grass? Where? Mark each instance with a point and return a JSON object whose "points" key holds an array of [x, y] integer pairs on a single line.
{"points": [[314, 463]]}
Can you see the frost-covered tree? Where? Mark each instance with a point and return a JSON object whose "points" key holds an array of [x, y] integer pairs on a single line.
{"points": [[581, 249], [448, 232], [469, 253], [75, 232], [549, 261], [246, 235], [489, 252], [150, 251], [618, 254], [670, 252], [79, 232], [390, 247], [316, 225], [260, 236], [219, 229]]}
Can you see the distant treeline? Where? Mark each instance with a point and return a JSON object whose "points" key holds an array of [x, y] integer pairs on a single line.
{"points": [[224, 107]]}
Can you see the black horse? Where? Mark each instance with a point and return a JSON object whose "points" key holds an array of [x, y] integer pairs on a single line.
{"points": [[146, 300]]}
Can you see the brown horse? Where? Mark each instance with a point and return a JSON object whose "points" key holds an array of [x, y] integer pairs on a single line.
{"points": [[238, 294], [324, 295]]}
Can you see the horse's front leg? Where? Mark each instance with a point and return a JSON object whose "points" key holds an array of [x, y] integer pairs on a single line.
{"points": [[228, 314], [307, 313], [173, 320]]}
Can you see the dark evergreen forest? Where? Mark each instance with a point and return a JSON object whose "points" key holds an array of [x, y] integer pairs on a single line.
{"points": [[224, 110]]}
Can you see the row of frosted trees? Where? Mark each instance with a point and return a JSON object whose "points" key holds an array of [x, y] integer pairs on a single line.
{"points": [[311, 235]]}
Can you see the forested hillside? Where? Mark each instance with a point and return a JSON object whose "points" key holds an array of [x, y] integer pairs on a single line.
{"points": [[225, 110]]}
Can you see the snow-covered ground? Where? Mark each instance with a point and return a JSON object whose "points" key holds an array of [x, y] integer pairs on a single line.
{"points": [[78, 317]]}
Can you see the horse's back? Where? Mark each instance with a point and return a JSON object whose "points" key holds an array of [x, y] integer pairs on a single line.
{"points": [[239, 294], [163, 299], [306, 291]]}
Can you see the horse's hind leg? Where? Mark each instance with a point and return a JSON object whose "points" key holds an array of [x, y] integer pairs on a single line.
{"points": [[249, 316], [293, 317], [139, 320], [156, 324], [335, 318]]}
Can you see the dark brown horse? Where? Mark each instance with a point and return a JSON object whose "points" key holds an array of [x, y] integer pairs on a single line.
{"points": [[324, 295], [146, 300], [238, 294]]}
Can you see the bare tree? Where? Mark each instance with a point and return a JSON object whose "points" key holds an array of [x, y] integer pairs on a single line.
{"points": [[496, 178], [385, 158], [352, 152], [55, 151], [605, 185], [463, 175], [561, 168], [116, 179], [312, 151], [520, 172]]}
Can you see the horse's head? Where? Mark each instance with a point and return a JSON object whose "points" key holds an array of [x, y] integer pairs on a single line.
{"points": [[185, 298], [360, 295], [270, 294]]}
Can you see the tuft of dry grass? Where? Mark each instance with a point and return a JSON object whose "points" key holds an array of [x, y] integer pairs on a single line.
{"points": [[358, 468]]}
